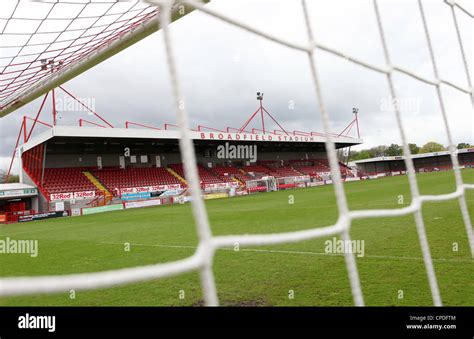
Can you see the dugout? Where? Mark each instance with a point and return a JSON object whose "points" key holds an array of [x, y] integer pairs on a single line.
{"points": [[17, 199]]}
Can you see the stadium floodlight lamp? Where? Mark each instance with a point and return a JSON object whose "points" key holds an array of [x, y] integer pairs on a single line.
{"points": [[51, 64], [260, 96]]}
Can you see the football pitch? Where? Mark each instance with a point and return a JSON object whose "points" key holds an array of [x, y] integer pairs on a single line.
{"points": [[300, 274]]}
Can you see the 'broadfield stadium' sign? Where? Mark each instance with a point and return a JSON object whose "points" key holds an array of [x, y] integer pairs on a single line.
{"points": [[255, 137]]}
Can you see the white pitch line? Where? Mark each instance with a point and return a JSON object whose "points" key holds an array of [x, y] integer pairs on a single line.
{"points": [[295, 252], [43, 229]]}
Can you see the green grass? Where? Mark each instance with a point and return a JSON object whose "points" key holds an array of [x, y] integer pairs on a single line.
{"points": [[392, 260]]}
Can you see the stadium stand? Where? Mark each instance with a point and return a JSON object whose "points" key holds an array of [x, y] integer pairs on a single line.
{"points": [[280, 170], [425, 162], [61, 180], [227, 173], [316, 168], [114, 178], [309, 167], [256, 171], [206, 176]]}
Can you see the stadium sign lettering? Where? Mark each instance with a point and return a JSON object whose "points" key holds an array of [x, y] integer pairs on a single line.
{"points": [[163, 187], [145, 203], [13, 193], [254, 137], [136, 196], [221, 185], [61, 196], [144, 189], [72, 195], [40, 216], [84, 195]]}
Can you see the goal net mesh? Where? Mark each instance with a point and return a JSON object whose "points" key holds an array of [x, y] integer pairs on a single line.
{"points": [[202, 259], [41, 39]]}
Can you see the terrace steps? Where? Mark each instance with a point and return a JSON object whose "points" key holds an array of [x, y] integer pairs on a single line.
{"points": [[296, 170], [177, 176], [98, 184]]}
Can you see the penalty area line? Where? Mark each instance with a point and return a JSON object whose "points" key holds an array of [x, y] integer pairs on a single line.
{"points": [[293, 252]]}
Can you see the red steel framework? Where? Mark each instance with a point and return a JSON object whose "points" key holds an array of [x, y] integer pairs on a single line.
{"points": [[82, 121], [26, 74], [354, 122], [27, 133], [128, 123], [261, 109]]}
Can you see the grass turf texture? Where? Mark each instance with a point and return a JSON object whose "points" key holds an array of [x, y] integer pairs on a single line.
{"points": [[263, 275]]}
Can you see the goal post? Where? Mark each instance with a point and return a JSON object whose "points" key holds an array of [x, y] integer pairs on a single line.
{"points": [[292, 182], [264, 184], [50, 70]]}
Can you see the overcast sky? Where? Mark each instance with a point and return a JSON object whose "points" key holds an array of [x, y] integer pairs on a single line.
{"points": [[221, 68]]}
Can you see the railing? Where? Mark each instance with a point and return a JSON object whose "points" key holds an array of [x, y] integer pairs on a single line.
{"points": [[128, 123], [82, 121], [100, 200]]}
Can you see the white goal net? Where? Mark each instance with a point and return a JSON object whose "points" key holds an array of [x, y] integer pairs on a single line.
{"points": [[202, 259]]}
